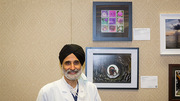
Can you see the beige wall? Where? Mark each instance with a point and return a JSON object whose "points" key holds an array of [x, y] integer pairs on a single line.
{"points": [[33, 31]]}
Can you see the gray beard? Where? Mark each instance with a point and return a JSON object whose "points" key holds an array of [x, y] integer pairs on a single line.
{"points": [[72, 77]]}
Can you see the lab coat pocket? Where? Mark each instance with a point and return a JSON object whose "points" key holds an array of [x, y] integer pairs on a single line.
{"points": [[83, 97]]}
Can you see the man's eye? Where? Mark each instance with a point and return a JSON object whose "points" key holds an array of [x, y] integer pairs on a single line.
{"points": [[67, 63], [76, 62]]}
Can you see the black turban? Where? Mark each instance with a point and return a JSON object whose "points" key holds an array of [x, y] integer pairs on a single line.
{"points": [[72, 48]]}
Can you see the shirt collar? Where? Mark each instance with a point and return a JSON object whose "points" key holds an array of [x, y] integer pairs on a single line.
{"points": [[83, 77]]}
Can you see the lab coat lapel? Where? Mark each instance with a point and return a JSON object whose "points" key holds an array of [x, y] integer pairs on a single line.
{"points": [[65, 91], [67, 95], [82, 93]]}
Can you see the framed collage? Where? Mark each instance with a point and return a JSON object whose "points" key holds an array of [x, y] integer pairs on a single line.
{"points": [[112, 21]]}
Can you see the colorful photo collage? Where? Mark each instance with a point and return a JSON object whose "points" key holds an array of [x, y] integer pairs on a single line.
{"points": [[112, 21]]}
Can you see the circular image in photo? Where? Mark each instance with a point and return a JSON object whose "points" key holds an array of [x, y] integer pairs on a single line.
{"points": [[112, 71]]}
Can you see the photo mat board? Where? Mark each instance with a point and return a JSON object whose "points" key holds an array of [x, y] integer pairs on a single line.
{"points": [[113, 67]]}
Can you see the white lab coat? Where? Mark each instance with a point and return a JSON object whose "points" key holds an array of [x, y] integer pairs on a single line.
{"points": [[59, 91]]}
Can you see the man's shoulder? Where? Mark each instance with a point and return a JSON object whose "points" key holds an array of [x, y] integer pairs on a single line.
{"points": [[51, 85], [88, 83]]}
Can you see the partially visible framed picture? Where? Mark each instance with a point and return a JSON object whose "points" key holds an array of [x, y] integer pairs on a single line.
{"points": [[112, 21], [174, 82], [170, 34], [113, 67]]}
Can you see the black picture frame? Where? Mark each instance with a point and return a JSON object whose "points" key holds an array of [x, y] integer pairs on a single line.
{"points": [[109, 67], [123, 28], [174, 83]]}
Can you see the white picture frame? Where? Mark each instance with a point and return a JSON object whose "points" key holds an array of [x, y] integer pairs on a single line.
{"points": [[125, 61], [167, 40]]}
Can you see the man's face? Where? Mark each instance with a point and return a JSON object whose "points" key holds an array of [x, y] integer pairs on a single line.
{"points": [[72, 67]]}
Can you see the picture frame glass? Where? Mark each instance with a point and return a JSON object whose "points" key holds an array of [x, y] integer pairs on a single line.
{"points": [[172, 33], [114, 68]]}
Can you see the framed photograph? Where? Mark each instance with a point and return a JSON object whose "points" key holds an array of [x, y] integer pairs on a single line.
{"points": [[174, 82], [170, 34], [112, 21], [113, 67]]}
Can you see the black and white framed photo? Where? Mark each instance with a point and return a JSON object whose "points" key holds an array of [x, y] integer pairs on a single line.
{"points": [[170, 34], [110, 67], [112, 21]]}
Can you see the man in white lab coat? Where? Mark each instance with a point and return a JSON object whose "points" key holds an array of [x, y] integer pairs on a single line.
{"points": [[73, 86]]}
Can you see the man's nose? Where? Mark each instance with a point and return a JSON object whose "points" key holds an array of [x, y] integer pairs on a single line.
{"points": [[72, 66]]}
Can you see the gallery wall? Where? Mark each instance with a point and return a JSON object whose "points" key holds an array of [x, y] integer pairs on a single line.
{"points": [[32, 32]]}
